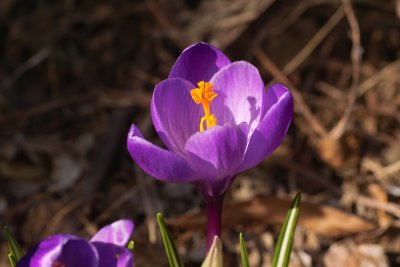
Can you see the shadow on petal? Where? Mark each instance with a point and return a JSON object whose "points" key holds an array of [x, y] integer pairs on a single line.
{"points": [[270, 132]]}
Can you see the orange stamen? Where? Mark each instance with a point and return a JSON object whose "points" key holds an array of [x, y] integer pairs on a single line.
{"points": [[203, 95]]}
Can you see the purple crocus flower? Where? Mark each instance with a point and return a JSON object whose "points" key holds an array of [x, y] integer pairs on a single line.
{"points": [[107, 248], [216, 120]]}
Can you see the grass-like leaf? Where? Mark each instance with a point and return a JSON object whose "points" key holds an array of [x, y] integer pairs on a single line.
{"points": [[243, 252], [173, 257], [15, 250], [283, 247], [12, 260]]}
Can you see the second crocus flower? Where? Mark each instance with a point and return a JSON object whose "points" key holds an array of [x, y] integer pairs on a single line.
{"points": [[107, 248]]}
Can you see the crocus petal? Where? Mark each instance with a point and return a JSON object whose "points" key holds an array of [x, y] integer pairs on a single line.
{"points": [[216, 152], [273, 127], [113, 256], [45, 252], [198, 62], [175, 115], [157, 162], [117, 233], [78, 252], [65, 249], [241, 93], [125, 259]]}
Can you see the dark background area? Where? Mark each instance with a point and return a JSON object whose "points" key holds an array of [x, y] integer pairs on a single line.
{"points": [[75, 74]]}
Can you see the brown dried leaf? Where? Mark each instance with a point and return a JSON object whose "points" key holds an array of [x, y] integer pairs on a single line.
{"points": [[350, 255], [377, 192], [262, 211], [340, 153]]}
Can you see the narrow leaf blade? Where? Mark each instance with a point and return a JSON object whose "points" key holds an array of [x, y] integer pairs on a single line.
{"points": [[16, 252], [243, 252], [283, 247], [12, 260], [173, 257]]}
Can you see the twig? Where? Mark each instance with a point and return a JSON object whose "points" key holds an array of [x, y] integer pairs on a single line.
{"points": [[29, 64], [308, 174], [366, 85], [117, 203], [26, 114], [165, 21], [314, 42], [391, 169], [381, 172], [391, 208], [301, 106], [56, 220], [356, 50], [162, 19]]}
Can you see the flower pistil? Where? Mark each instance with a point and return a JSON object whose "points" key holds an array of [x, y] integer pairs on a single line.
{"points": [[203, 95]]}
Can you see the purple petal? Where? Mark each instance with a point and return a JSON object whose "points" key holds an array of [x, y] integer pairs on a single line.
{"points": [[65, 249], [78, 252], [157, 162], [217, 152], [241, 94], [117, 233], [46, 252], [269, 134], [274, 93], [113, 256], [125, 259], [175, 115], [198, 63]]}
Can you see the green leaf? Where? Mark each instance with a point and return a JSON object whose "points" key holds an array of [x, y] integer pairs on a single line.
{"points": [[173, 257], [214, 255], [12, 260], [15, 250], [283, 247], [243, 252]]}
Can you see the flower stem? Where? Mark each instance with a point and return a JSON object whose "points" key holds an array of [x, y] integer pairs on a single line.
{"points": [[214, 212]]}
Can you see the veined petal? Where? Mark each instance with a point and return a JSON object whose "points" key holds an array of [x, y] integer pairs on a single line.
{"points": [[198, 62], [113, 256], [117, 233], [65, 249], [217, 152], [273, 127], [241, 94], [157, 162], [175, 116]]}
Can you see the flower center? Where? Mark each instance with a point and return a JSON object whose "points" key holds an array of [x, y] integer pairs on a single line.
{"points": [[203, 95]]}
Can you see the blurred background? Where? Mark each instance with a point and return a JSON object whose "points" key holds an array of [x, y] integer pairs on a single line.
{"points": [[75, 74]]}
